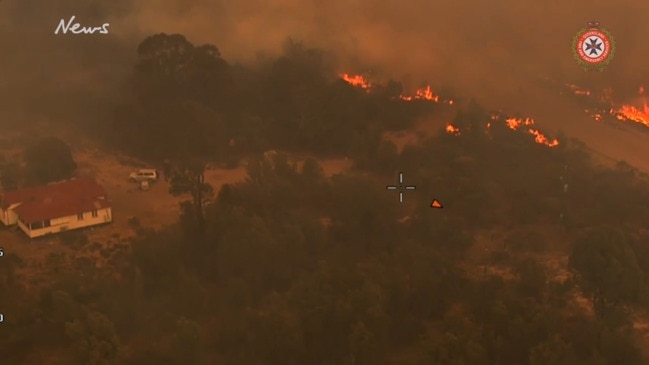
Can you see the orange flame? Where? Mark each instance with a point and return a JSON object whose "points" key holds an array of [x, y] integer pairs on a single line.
{"points": [[595, 114], [515, 123], [428, 95], [541, 139], [625, 113], [629, 113], [421, 94], [633, 114], [356, 80], [450, 128]]}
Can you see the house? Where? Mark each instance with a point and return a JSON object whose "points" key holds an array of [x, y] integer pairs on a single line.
{"points": [[56, 207]]}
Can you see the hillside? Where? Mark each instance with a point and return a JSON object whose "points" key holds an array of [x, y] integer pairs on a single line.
{"points": [[539, 256]]}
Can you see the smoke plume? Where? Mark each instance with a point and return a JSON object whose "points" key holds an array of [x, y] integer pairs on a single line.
{"points": [[490, 50]]}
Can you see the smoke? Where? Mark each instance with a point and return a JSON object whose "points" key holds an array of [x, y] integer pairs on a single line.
{"points": [[485, 49], [481, 46]]}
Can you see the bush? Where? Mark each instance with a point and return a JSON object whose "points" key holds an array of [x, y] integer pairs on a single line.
{"points": [[74, 240]]}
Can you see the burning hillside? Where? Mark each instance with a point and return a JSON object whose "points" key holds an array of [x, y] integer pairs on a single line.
{"points": [[514, 124], [633, 114], [425, 93], [528, 124], [606, 106]]}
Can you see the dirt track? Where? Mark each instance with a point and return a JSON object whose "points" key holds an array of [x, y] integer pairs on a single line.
{"points": [[553, 113], [560, 113]]}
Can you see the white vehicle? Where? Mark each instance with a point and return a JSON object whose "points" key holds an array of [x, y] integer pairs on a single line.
{"points": [[144, 175]]}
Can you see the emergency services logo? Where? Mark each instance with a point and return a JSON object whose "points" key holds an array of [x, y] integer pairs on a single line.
{"points": [[593, 47]]}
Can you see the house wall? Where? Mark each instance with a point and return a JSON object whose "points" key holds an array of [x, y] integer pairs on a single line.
{"points": [[9, 217], [71, 222], [23, 227]]}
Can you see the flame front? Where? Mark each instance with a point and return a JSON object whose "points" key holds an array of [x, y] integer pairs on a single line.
{"points": [[633, 114], [422, 94], [517, 123], [356, 80], [624, 113], [425, 93], [541, 139]]}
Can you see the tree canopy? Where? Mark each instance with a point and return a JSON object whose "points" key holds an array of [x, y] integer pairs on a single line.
{"points": [[47, 160]]}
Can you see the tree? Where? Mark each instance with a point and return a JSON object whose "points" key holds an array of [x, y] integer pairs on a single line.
{"points": [[187, 342], [94, 339], [532, 278], [607, 266], [554, 351], [158, 71], [182, 92], [172, 68], [47, 160], [275, 335], [10, 175], [458, 350], [189, 178]]}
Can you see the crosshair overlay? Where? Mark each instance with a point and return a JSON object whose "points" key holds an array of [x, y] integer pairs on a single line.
{"points": [[400, 187]]}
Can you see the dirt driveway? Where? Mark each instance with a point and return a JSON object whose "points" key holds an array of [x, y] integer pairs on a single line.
{"points": [[153, 208], [156, 207]]}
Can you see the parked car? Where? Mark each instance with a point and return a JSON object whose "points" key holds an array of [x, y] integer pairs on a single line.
{"points": [[144, 175]]}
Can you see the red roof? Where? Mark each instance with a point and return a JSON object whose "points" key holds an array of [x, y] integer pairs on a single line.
{"points": [[45, 210], [56, 200], [70, 188]]}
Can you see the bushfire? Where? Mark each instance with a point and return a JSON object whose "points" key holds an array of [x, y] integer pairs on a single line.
{"points": [[428, 95], [513, 124], [624, 113], [356, 80], [516, 123], [425, 93], [633, 114]]}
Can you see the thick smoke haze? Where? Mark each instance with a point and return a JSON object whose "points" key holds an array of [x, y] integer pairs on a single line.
{"points": [[484, 49], [474, 44]]}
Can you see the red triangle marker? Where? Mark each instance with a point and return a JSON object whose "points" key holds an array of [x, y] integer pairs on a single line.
{"points": [[436, 204]]}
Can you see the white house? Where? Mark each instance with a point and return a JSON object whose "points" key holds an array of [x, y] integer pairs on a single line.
{"points": [[56, 207]]}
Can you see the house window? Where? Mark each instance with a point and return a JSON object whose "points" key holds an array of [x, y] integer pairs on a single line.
{"points": [[46, 223], [95, 214], [80, 216]]}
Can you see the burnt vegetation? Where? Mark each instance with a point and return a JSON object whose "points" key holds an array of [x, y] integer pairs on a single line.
{"points": [[293, 267]]}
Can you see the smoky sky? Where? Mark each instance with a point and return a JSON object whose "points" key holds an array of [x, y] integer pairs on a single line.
{"points": [[484, 49]]}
